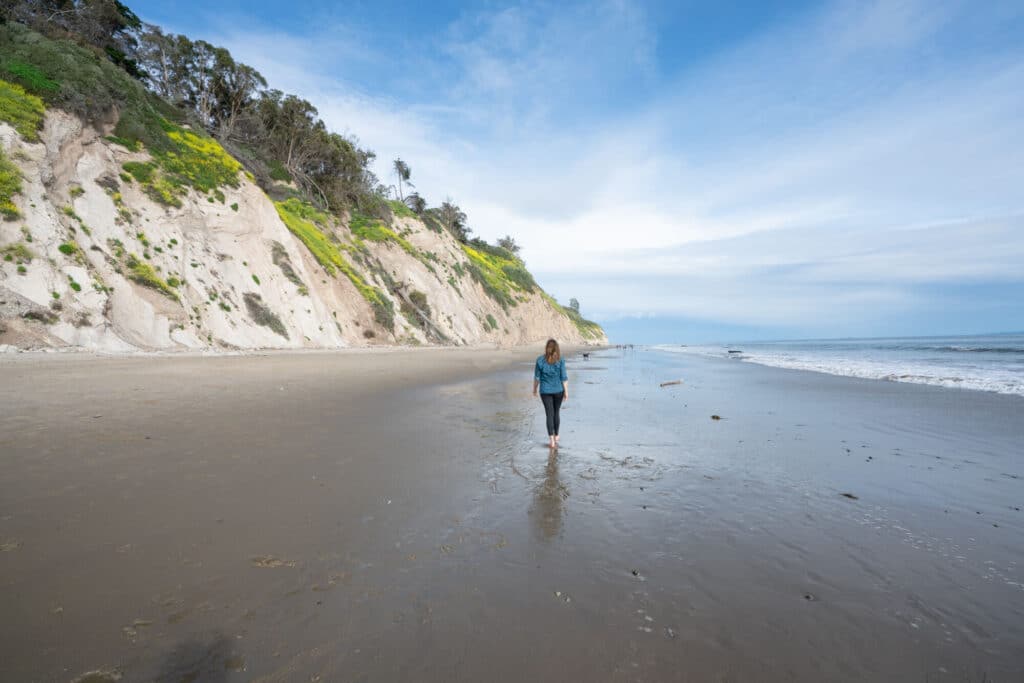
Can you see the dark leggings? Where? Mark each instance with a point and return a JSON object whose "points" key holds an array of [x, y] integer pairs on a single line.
{"points": [[552, 404]]}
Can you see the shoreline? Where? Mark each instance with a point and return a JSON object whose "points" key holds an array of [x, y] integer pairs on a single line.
{"points": [[977, 363], [854, 381]]}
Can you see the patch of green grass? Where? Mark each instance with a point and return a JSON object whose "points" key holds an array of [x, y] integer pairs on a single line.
{"points": [[76, 191], [22, 270], [140, 170], [31, 77], [491, 322], [22, 110], [145, 275], [373, 230], [307, 223], [234, 207], [173, 282], [400, 209], [255, 279], [225, 307], [55, 296], [130, 145], [74, 285], [10, 185], [278, 172], [26, 233], [68, 248]]}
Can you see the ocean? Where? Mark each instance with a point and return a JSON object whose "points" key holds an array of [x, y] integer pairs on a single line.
{"points": [[983, 363]]}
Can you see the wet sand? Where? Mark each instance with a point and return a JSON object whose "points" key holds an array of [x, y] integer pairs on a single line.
{"points": [[349, 517]]}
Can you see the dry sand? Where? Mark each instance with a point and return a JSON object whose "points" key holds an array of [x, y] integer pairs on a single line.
{"points": [[394, 516]]}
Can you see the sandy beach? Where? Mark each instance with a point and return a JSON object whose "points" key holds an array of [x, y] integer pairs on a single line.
{"points": [[395, 516]]}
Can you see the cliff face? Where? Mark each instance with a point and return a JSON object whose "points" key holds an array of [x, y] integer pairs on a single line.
{"points": [[101, 253]]}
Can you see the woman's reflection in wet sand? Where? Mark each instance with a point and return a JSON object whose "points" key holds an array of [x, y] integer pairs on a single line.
{"points": [[550, 497]]}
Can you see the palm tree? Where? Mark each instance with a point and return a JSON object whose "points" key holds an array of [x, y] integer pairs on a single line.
{"points": [[403, 172]]}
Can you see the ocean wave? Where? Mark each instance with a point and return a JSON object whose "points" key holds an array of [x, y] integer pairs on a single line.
{"points": [[1003, 380], [954, 378], [949, 349]]}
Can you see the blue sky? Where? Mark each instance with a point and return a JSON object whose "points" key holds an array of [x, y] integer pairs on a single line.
{"points": [[692, 171]]}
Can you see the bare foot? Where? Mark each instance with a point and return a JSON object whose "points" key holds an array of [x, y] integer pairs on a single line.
{"points": [[554, 442]]}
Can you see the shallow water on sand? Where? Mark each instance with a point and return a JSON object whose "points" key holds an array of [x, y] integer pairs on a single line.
{"points": [[822, 529]]}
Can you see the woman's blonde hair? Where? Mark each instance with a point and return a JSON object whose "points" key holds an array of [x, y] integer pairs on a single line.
{"points": [[552, 353]]}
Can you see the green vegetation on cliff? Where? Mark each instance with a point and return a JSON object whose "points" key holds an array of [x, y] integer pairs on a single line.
{"points": [[192, 161], [309, 224], [144, 274], [23, 110], [75, 79], [10, 185], [500, 272], [588, 328], [83, 82]]}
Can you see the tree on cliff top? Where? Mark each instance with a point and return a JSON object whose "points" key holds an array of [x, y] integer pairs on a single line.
{"points": [[454, 220], [416, 203], [106, 24], [403, 172], [508, 244]]}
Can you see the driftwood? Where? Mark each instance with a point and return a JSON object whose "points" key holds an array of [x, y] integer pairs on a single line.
{"points": [[672, 383]]}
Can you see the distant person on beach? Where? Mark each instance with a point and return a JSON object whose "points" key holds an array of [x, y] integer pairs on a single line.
{"points": [[550, 376]]}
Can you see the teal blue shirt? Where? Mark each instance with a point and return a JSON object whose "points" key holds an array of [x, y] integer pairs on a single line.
{"points": [[550, 375]]}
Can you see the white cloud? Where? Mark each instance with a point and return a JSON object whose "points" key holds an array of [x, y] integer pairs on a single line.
{"points": [[836, 159]]}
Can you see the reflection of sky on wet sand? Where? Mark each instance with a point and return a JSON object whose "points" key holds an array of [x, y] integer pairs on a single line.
{"points": [[730, 521]]}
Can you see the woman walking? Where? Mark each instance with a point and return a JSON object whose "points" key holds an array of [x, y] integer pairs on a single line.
{"points": [[550, 376]]}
